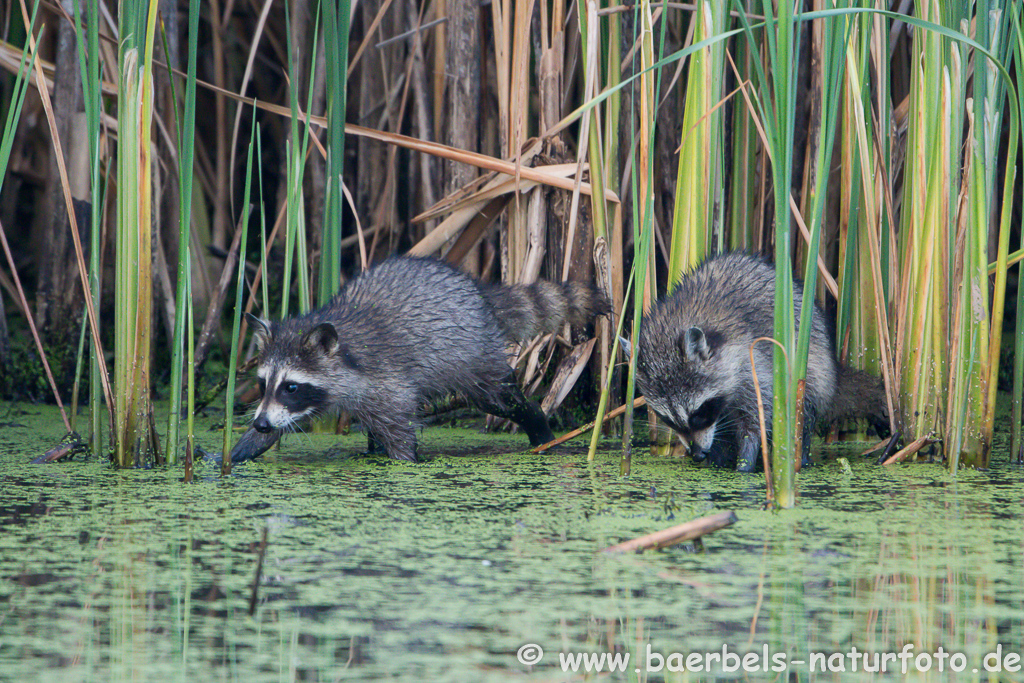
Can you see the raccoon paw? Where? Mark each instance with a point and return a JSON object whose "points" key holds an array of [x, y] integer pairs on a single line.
{"points": [[746, 460], [253, 444]]}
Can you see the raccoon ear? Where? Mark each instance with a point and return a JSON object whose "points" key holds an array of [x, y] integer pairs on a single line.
{"points": [[694, 344], [627, 346], [323, 337], [260, 329]]}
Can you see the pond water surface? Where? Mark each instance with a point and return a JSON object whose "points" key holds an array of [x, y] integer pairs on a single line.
{"points": [[464, 567]]}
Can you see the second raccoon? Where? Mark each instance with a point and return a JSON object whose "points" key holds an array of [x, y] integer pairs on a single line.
{"points": [[693, 362], [401, 333]]}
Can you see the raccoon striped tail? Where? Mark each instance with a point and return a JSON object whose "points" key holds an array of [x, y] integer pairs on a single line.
{"points": [[860, 394], [524, 311]]}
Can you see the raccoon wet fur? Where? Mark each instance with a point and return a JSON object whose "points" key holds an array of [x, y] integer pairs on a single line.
{"points": [[693, 362], [401, 333]]}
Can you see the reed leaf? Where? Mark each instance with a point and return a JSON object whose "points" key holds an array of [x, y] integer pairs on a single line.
{"points": [[1017, 105], [183, 294], [134, 442], [89, 63], [699, 183], [337, 15], [236, 315]]}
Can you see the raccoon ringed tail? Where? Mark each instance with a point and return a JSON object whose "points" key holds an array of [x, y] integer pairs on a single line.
{"points": [[860, 394], [524, 311]]}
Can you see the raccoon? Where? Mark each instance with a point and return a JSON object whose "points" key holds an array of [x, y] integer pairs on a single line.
{"points": [[403, 332], [693, 363]]}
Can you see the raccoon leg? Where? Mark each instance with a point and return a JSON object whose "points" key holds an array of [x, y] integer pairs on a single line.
{"points": [[810, 418], [393, 431], [746, 456], [511, 404], [253, 444], [374, 445]]}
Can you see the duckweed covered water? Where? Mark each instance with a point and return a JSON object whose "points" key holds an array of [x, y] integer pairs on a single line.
{"points": [[463, 567]]}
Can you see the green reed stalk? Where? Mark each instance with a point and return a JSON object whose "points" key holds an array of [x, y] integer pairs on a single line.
{"points": [[597, 152], [83, 328], [864, 230], [265, 288], [928, 230], [89, 63], [642, 179], [744, 167], [603, 150], [134, 442], [603, 154], [295, 227], [992, 30], [833, 54], [1017, 104], [643, 209], [236, 317], [337, 15], [782, 45], [20, 87], [183, 293], [699, 186]]}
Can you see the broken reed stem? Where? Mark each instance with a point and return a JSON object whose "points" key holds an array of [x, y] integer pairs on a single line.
{"points": [[639, 401], [909, 449], [676, 534]]}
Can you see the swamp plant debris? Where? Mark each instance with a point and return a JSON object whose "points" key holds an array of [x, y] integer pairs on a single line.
{"points": [[68, 447], [910, 449], [639, 401], [677, 534], [891, 447]]}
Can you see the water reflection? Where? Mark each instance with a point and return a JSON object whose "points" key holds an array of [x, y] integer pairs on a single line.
{"points": [[447, 570]]}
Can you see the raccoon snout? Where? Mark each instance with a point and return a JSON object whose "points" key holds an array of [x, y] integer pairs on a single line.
{"points": [[697, 453], [262, 424]]}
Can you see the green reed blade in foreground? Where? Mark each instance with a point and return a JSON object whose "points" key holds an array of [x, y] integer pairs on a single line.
{"points": [[1017, 105], [699, 187], [865, 229], [776, 99], [134, 441], [236, 316], [183, 294], [993, 30], [337, 14], [835, 39], [89, 63], [295, 227]]}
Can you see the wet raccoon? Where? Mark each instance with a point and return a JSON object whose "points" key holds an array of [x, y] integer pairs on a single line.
{"points": [[693, 363], [404, 332]]}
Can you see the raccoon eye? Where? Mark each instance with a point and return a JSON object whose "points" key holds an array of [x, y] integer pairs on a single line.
{"points": [[291, 388], [705, 416]]}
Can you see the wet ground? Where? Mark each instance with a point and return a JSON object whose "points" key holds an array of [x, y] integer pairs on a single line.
{"points": [[466, 566]]}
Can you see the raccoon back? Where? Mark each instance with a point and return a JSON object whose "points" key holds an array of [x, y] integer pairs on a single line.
{"points": [[524, 311], [420, 323], [731, 298]]}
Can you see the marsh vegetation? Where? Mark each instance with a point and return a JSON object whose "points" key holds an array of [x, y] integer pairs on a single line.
{"points": [[165, 169]]}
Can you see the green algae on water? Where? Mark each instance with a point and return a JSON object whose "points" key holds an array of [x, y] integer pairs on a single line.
{"points": [[443, 570]]}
